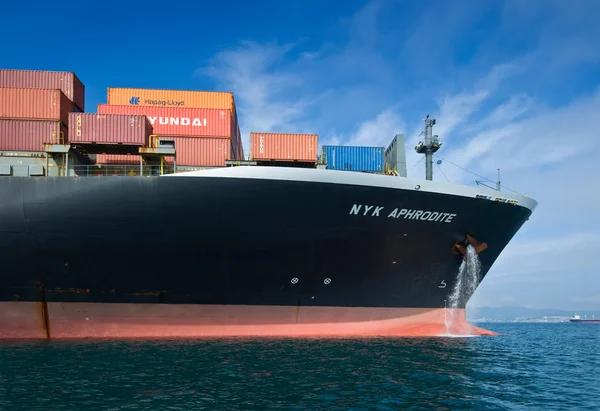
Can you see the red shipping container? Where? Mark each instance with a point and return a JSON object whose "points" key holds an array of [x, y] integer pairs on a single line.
{"points": [[65, 81], [283, 147], [109, 129], [30, 135], [200, 152], [176, 121], [118, 159], [35, 104]]}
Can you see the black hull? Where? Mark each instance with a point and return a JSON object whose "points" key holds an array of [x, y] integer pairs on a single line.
{"points": [[237, 241]]}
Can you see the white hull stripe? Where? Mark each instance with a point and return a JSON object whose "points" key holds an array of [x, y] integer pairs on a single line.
{"points": [[360, 179]]}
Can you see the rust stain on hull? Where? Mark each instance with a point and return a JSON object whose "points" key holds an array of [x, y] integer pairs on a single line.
{"points": [[44, 312]]}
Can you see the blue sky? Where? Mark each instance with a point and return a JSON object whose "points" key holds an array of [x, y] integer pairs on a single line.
{"points": [[512, 84]]}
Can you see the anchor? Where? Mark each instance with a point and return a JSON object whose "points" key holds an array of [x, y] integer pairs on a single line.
{"points": [[460, 248]]}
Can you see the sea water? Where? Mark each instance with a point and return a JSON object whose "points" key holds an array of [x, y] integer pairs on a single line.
{"points": [[529, 366]]}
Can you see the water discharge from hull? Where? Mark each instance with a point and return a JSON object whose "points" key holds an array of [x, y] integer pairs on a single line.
{"points": [[467, 280]]}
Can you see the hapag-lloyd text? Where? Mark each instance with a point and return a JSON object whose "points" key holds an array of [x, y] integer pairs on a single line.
{"points": [[406, 213], [164, 103]]}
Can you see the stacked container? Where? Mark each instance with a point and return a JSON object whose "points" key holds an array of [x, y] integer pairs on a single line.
{"points": [[276, 147], [67, 82], [354, 158], [121, 129], [34, 107], [203, 124]]}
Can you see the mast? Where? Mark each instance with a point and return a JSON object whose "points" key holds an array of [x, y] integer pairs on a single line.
{"points": [[430, 146]]}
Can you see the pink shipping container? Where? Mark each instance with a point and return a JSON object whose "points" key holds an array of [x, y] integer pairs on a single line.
{"points": [[35, 104], [30, 135], [283, 147], [177, 121], [118, 159], [65, 81], [109, 129], [200, 152]]}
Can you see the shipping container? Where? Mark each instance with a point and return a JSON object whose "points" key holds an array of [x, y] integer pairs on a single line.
{"points": [[170, 98], [65, 81], [283, 147], [239, 149], [126, 159], [200, 152], [34, 104], [30, 135], [354, 158], [176, 121], [109, 129]]}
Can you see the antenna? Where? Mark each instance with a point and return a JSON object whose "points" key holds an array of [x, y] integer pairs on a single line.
{"points": [[430, 146], [498, 184]]}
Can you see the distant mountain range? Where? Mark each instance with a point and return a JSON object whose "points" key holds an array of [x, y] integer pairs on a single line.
{"points": [[514, 313]]}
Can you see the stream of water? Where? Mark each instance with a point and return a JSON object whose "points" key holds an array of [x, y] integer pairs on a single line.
{"points": [[466, 283]]}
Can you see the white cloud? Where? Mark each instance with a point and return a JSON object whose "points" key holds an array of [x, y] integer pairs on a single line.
{"points": [[267, 99], [456, 109], [496, 117], [373, 132], [504, 113]]}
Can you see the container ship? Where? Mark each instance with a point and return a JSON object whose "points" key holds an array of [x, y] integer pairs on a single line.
{"points": [[278, 245]]}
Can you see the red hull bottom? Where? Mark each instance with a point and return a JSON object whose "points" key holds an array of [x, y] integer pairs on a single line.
{"points": [[21, 320]]}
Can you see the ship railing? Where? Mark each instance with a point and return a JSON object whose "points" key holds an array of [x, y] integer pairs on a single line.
{"points": [[124, 170]]}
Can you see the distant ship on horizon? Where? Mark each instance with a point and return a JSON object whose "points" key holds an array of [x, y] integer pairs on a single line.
{"points": [[577, 319]]}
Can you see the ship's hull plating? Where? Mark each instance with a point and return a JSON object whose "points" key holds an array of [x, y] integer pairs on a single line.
{"points": [[225, 254], [101, 320]]}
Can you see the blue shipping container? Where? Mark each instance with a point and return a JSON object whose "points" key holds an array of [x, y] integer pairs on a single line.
{"points": [[354, 158]]}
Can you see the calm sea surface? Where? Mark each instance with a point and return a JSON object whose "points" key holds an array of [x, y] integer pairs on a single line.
{"points": [[530, 366]]}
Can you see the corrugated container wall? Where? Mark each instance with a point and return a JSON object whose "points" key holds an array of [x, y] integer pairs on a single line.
{"points": [[176, 121], [201, 152], [65, 81], [239, 153], [170, 98], [109, 129], [354, 158], [283, 147], [30, 135], [35, 104], [237, 147], [117, 159]]}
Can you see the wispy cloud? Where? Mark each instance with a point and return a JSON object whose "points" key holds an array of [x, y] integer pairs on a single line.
{"points": [[288, 88], [542, 139], [373, 132], [524, 99], [268, 96]]}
